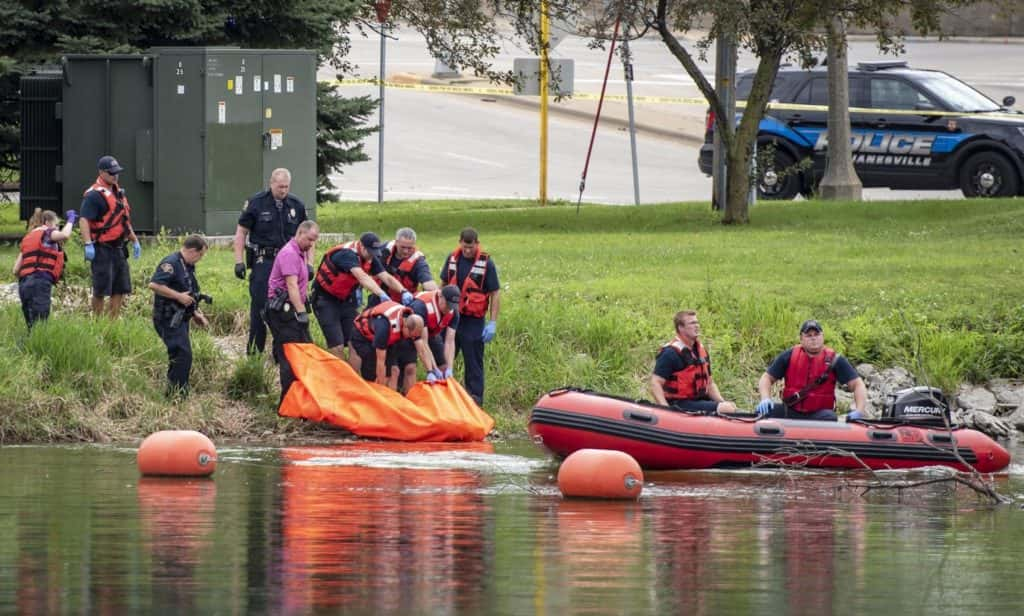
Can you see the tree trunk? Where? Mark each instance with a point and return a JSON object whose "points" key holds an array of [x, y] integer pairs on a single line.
{"points": [[840, 181]]}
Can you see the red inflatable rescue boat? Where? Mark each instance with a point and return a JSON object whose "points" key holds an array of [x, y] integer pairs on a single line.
{"points": [[566, 420]]}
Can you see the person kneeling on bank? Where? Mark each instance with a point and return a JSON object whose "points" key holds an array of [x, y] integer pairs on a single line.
{"points": [[682, 372], [377, 337], [176, 300], [811, 371]]}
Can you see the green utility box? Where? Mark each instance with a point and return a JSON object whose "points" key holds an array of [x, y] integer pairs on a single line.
{"points": [[199, 130]]}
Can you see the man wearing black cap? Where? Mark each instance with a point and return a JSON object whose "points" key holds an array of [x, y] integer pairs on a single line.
{"points": [[344, 269], [268, 221], [106, 226], [811, 371], [439, 310]]}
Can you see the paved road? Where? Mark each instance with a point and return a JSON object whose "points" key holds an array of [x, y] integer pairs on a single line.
{"points": [[471, 146]]}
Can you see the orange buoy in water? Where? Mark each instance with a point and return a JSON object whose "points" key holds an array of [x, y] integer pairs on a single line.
{"points": [[600, 473], [177, 452]]}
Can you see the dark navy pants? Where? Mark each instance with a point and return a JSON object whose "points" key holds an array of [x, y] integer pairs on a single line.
{"points": [[259, 277], [35, 292], [285, 328], [469, 341], [179, 353]]}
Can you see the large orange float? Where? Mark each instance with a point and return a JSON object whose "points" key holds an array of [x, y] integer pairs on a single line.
{"points": [[184, 453], [600, 473]]}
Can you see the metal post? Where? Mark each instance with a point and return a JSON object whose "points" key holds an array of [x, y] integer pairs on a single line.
{"points": [[380, 134], [627, 66], [544, 36], [725, 87]]}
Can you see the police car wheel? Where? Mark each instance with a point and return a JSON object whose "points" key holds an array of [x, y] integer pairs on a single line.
{"points": [[781, 181], [988, 174]]}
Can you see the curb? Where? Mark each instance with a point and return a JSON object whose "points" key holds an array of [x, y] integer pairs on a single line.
{"points": [[532, 103]]}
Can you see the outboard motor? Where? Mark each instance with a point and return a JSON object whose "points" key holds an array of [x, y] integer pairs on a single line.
{"points": [[918, 405]]}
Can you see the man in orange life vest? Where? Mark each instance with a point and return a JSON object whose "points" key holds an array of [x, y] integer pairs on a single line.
{"points": [[378, 331], [682, 372], [343, 270], [473, 271], [439, 310], [407, 265], [811, 371], [106, 225]]}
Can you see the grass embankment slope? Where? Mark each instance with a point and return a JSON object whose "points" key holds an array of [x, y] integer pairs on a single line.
{"points": [[586, 300]]}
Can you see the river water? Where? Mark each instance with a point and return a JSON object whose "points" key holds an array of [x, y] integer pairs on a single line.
{"points": [[385, 528]]}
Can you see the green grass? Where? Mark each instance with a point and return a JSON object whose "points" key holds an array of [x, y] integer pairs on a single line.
{"points": [[587, 299]]}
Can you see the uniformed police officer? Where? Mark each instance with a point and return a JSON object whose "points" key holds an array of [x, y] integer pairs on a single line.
{"points": [[175, 296], [269, 219]]}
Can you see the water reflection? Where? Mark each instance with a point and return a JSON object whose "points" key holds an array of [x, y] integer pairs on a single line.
{"points": [[383, 539], [178, 517], [385, 528]]}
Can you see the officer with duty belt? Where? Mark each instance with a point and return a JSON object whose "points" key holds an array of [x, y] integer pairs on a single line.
{"points": [[268, 221], [175, 305]]}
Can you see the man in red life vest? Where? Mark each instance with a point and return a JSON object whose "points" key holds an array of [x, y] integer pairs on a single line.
{"points": [[811, 371], [106, 226], [378, 331], [682, 372], [473, 271]]}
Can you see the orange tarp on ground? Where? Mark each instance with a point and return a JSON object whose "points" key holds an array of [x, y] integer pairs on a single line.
{"points": [[328, 389]]}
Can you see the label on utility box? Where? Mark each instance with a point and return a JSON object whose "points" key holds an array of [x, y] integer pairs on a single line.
{"points": [[276, 138], [222, 112], [238, 84], [290, 84], [277, 84], [256, 83]]}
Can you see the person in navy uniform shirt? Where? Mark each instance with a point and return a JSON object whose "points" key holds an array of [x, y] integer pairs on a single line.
{"points": [[473, 271], [175, 292], [268, 221]]}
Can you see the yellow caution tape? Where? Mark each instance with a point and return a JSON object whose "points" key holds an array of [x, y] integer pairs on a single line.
{"points": [[666, 100]]}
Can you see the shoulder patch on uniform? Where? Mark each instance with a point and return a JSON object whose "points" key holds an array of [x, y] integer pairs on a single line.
{"points": [[167, 267], [245, 205]]}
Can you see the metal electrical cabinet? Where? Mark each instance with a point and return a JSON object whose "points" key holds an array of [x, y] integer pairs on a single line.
{"points": [[199, 130]]}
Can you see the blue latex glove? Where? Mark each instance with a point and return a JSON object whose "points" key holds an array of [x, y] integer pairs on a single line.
{"points": [[136, 249], [384, 297], [447, 373], [764, 407], [90, 251], [431, 377], [489, 330], [71, 216], [407, 298], [854, 415]]}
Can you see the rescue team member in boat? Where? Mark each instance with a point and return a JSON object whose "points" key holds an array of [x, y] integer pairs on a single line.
{"points": [[378, 330], [405, 264], [473, 271], [811, 371], [343, 270], [40, 262], [175, 306], [285, 313], [439, 311], [682, 371], [269, 220], [106, 228]]}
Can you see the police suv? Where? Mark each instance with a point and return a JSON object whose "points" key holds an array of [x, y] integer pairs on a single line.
{"points": [[910, 128]]}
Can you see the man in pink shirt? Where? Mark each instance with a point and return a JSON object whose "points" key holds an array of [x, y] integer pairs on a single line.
{"points": [[285, 313]]}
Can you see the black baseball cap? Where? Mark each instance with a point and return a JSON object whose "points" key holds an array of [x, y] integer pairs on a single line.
{"points": [[451, 295], [371, 242], [810, 324], [109, 164]]}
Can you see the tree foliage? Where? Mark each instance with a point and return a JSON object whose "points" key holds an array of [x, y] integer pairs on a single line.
{"points": [[34, 32]]}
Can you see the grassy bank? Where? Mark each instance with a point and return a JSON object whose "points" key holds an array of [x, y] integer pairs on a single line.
{"points": [[586, 300]]}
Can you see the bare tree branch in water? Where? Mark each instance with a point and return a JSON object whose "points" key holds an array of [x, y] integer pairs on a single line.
{"points": [[802, 454]]}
